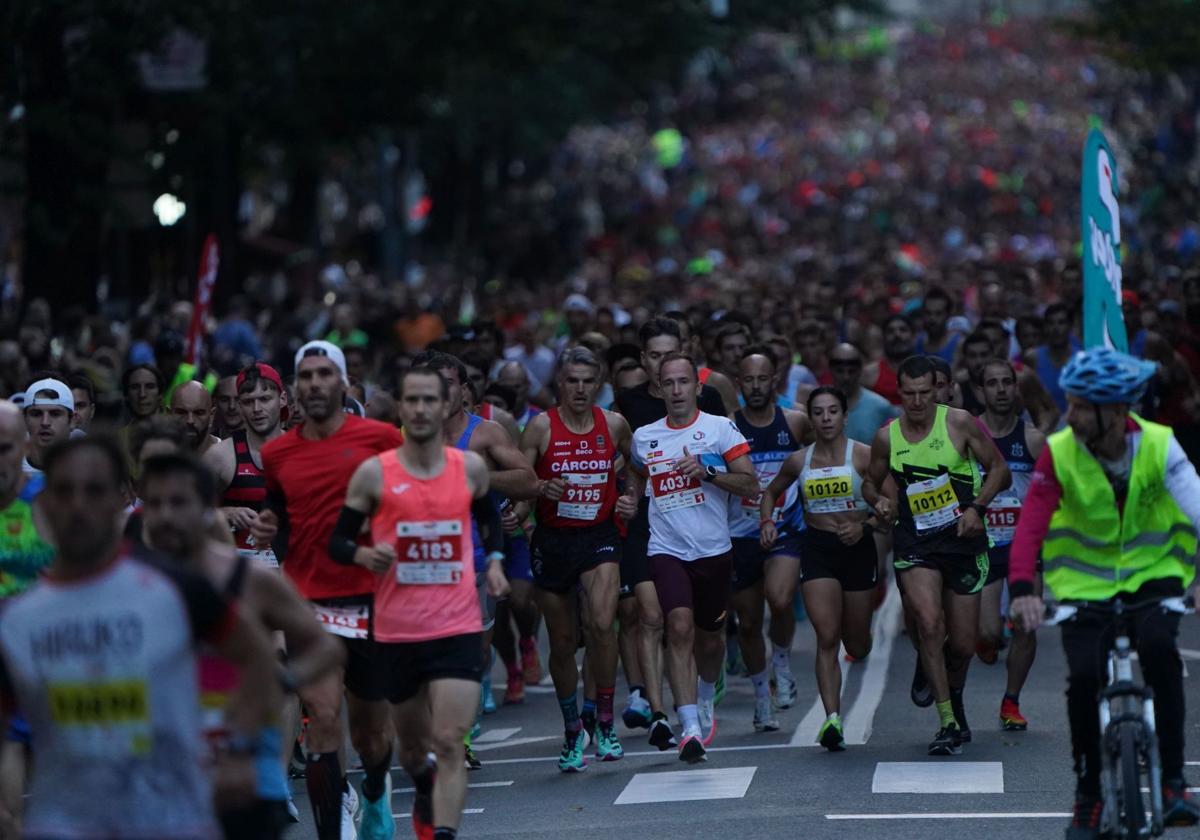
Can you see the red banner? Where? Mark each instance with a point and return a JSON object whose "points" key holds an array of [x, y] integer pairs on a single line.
{"points": [[210, 259]]}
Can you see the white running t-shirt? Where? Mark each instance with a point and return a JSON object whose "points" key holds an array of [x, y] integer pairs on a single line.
{"points": [[689, 519]]}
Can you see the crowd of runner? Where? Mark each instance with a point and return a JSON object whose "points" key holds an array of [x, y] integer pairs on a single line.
{"points": [[217, 574]]}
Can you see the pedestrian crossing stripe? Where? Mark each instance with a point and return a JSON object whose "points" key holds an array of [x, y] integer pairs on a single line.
{"points": [[687, 786], [927, 777]]}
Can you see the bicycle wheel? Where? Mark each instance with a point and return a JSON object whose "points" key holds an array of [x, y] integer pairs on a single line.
{"points": [[1129, 795]]}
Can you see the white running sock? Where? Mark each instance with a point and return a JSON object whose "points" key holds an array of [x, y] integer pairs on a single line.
{"points": [[706, 690], [762, 685], [781, 659], [689, 718]]}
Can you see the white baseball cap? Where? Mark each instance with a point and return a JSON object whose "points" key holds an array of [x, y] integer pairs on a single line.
{"points": [[323, 348], [62, 394]]}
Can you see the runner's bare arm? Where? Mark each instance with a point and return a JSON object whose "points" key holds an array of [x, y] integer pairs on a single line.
{"points": [[534, 442], [726, 389], [799, 424], [789, 470], [477, 474], [222, 460], [256, 701], [1037, 401], [1035, 441], [635, 488], [507, 422], [741, 480], [311, 652], [876, 475], [512, 476]]}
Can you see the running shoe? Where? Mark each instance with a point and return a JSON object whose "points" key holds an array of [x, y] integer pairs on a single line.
{"points": [[375, 820], [637, 714], [531, 663], [293, 811], [571, 759], [514, 691], [764, 715], [488, 704], [476, 729], [691, 749], [831, 737], [588, 719], [960, 714], [1179, 806], [608, 747], [1085, 824], [708, 720], [719, 688], [988, 653], [948, 741], [921, 692], [1011, 717], [735, 665], [350, 808], [785, 690], [473, 762], [661, 735], [422, 807]]}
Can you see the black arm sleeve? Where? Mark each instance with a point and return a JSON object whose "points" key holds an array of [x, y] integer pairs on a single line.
{"points": [[487, 517], [342, 543]]}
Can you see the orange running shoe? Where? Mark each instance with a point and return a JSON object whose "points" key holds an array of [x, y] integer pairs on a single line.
{"points": [[1011, 718]]}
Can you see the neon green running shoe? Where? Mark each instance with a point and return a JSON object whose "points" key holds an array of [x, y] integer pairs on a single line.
{"points": [[830, 737], [608, 748], [571, 759]]}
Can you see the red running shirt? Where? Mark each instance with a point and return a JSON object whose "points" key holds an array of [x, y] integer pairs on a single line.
{"points": [[585, 462], [312, 476], [429, 593]]}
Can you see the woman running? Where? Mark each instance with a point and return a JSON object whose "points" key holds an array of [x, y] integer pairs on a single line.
{"points": [[838, 564]]}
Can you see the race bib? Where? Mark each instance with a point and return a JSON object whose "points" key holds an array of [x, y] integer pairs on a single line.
{"points": [[672, 491], [351, 622], [103, 720], [1002, 519], [828, 489], [429, 553], [933, 503], [583, 497], [263, 556]]}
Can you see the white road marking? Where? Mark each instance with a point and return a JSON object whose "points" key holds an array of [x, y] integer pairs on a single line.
{"points": [[647, 753], [927, 777], [973, 815], [472, 785], [540, 688], [515, 742], [491, 736], [465, 811], [1189, 653], [687, 786]]}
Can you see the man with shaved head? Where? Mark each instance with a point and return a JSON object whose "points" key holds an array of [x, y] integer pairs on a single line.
{"points": [[514, 375], [23, 554], [866, 411], [192, 403]]}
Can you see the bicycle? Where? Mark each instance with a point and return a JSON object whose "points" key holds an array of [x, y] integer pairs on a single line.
{"points": [[1129, 748]]}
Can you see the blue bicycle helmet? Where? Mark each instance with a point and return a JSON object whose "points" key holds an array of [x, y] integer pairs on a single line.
{"points": [[1106, 376]]}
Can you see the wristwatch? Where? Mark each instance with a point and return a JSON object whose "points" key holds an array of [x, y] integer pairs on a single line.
{"points": [[979, 509], [710, 472], [496, 557]]}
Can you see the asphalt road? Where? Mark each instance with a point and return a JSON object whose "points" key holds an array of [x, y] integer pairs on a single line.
{"points": [[773, 785]]}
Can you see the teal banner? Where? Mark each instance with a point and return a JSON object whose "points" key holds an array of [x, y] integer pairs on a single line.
{"points": [[1103, 322]]}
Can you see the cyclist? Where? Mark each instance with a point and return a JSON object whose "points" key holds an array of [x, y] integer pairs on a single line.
{"points": [[1113, 506]]}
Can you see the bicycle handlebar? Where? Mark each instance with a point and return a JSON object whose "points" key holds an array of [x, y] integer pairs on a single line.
{"points": [[1057, 613]]}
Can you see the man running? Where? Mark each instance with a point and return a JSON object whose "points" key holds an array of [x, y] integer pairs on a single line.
{"points": [[938, 340], [1019, 444], [934, 453], [867, 411], [237, 461], [899, 340], [760, 574], [178, 493], [228, 416], [1047, 360], [192, 404], [116, 723], [24, 554], [418, 499], [693, 462], [49, 406], [574, 449], [307, 471], [639, 613], [1031, 397]]}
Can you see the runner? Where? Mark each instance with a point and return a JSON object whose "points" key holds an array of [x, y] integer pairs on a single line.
{"points": [[1047, 360], [693, 462], [574, 448], [49, 406], [691, 344], [1019, 444], [24, 553], [1113, 506], [84, 393], [866, 411], [237, 461], [766, 573], [307, 471], [934, 454], [228, 417], [419, 499], [1032, 399], [937, 340], [116, 724], [178, 493], [192, 404], [840, 565], [899, 341], [639, 613]]}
